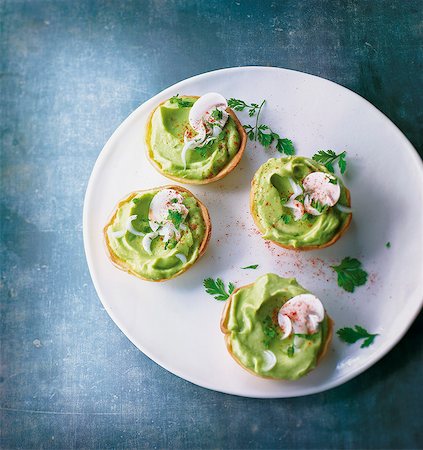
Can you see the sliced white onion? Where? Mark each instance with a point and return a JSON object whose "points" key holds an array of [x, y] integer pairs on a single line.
{"points": [[216, 131], [344, 209], [130, 228], [305, 311], [181, 257], [269, 360], [318, 185], [285, 325], [297, 208], [147, 240], [296, 188], [201, 112], [205, 103], [118, 234], [309, 208], [158, 213]]}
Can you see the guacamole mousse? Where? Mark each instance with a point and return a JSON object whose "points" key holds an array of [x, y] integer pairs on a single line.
{"points": [[159, 233], [298, 203], [275, 328], [195, 139]]}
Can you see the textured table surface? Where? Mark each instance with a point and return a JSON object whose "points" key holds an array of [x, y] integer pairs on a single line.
{"points": [[71, 71]]}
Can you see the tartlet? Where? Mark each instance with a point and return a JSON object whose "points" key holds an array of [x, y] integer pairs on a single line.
{"points": [[157, 234], [276, 329], [299, 204], [169, 129]]}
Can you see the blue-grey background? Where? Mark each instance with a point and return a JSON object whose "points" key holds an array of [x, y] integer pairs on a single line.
{"points": [[71, 71]]}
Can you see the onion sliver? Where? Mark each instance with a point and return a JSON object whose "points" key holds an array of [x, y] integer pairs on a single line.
{"points": [[269, 360], [296, 188], [146, 242], [118, 234], [181, 257]]}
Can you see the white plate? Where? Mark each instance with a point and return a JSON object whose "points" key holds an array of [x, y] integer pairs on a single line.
{"points": [[176, 323]]}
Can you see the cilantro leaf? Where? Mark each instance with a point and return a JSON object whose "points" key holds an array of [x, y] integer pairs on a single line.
{"points": [[388, 245], [265, 139], [269, 330], [217, 114], [286, 218], [350, 274], [352, 335], [253, 266], [237, 105], [175, 216], [217, 289], [285, 146], [261, 132], [290, 351], [342, 163], [329, 158], [181, 102]]}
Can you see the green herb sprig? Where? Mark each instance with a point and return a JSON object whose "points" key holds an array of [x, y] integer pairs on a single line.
{"points": [[217, 288], [260, 132], [286, 218], [329, 158], [253, 266], [217, 114], [352, 335], [350, 274], [175, 216]]}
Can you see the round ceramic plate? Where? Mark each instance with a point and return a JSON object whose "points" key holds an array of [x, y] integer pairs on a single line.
{"points": [[176, 323]]}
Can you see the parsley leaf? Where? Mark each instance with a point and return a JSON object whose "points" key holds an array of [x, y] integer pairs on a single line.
{"points": [[217, 289], [285, 146], [388, 245], [352, 335], [181, 102], [253, 266], [217, 114], [290, 351], [329, 158], [350, 274], [176, 217], [260, 132], [286, 218], [240, 105], [270, 333]]}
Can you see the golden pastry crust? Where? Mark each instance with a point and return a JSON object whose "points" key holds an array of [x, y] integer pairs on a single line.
{"points": [[224, 328], [120, 264], [227, 169], [307, 247]]}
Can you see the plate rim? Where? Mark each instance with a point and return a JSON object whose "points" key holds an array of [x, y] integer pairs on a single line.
{"points": [[382, 351]]}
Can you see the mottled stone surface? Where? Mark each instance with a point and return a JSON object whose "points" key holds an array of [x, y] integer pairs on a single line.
{"points": [[71, 71]]}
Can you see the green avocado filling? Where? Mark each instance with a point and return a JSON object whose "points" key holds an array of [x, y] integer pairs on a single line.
{"points": [[271, 191], [253, 328], [163, 262], [166, 141]]}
